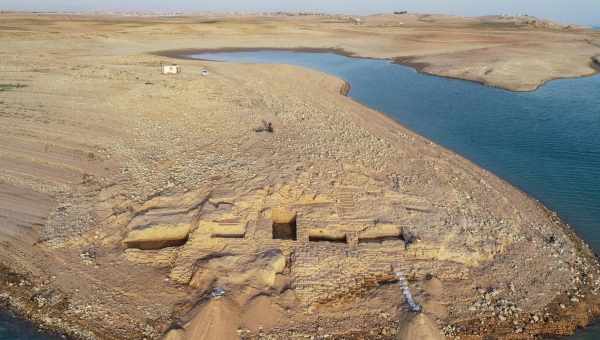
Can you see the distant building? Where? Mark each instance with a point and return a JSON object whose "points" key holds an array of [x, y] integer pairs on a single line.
{"points": [[356, 21], [169, 69]]}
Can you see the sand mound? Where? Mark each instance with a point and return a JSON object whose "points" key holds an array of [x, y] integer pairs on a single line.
{"points": [[256, 271], [420, 327], [219, 319], [175, 334], [261, 312]]}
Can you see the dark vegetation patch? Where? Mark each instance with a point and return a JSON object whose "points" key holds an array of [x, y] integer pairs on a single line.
{"points": [[9, 87]]}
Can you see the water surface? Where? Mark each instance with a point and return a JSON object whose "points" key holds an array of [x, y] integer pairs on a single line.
{"points": [[12, 328]]}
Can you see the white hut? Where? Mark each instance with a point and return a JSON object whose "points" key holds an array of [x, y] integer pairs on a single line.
{"points": [[170, 69], [356, 21]]}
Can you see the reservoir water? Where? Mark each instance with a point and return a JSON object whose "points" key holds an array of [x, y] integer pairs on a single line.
{"points": [[546, 142], [12, 328]]}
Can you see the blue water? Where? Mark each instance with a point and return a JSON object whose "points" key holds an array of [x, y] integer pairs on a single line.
{"points": [[546, 142], [12, 328]]}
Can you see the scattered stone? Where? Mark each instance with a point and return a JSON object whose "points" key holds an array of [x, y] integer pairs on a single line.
{"points": [[265, 127], [217, 293]]}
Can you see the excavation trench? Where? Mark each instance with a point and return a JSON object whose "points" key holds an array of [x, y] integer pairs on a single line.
{"points": [[380, 239], [284, 224], [328, 238]]}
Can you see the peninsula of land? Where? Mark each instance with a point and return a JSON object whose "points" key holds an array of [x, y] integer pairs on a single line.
{"points": [[140, 205]]}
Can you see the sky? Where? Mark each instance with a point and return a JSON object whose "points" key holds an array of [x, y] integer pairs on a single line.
{"points": [[585, 12]]}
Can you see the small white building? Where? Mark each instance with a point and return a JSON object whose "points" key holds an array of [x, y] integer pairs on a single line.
{"points": [[169, 69]]}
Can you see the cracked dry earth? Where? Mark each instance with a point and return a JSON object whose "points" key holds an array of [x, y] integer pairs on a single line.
{"points": [[128, 199]]}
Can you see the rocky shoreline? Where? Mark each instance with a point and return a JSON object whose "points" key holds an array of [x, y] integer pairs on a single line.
{"points": [[596, 63], [424, 67], [576, 307], [39, 304]]}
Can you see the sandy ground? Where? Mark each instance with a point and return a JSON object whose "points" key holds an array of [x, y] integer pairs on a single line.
{"points": [[127, 197]]}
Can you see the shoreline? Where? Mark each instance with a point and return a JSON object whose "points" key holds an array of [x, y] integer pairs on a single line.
{"points": [[596, 63], [408, 61], [566, 326], [10, 317], [184, 54], [420, 67], [18, 300], [36, 324], [347, 86]]}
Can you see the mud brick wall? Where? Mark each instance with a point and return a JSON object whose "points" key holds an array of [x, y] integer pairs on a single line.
{"points": [[330, 271]]}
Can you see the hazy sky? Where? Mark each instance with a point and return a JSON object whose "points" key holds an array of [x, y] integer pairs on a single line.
{"points": [[567, 11]]}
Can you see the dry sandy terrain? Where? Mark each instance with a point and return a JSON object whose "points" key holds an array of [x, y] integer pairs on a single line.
{"points": [[128, 199]]}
